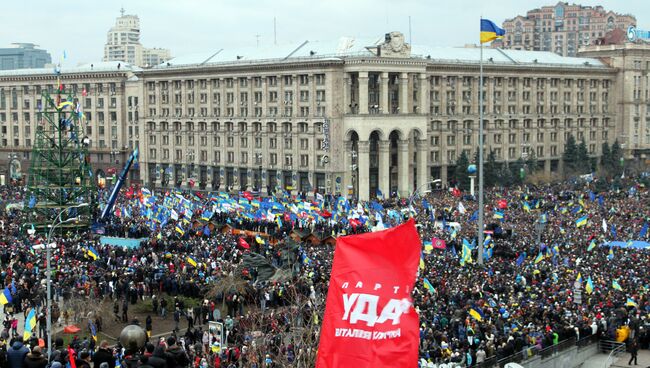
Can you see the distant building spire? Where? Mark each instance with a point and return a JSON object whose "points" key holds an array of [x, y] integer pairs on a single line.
{"points": [[122, 11]]}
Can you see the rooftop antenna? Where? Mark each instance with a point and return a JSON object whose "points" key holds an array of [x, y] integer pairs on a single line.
{"points": [[410, 35], [257, 39], [275, 33], [122, 11]]}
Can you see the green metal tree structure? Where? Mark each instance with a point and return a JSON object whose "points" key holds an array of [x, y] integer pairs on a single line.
{"points": [[60, 177]]}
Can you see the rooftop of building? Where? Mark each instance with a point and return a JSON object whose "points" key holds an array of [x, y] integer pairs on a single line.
{"points": [[348, 47], [99, 67]]}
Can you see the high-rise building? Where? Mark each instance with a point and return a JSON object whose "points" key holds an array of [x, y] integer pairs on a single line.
{"points": [[561, 28], [123, 44], [23, 56]]}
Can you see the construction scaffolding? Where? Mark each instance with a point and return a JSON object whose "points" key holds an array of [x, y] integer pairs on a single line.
{"points": [[60, 185]]}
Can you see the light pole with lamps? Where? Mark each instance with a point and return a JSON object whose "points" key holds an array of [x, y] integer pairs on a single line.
{"points": [[57, 222]]}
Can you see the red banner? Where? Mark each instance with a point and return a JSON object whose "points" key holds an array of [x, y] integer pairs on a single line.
{"points": [[438, 243], [369, 318]]}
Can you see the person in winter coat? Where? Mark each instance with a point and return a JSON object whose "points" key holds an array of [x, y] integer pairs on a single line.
{"points": [[103, 354], [157, 360], [35, 359], [16, 354], [176, 356]]}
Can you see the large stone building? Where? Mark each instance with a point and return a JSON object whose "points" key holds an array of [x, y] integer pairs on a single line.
{"points": [[23, 56], [562, 28], [123, 44], [349, 116]]}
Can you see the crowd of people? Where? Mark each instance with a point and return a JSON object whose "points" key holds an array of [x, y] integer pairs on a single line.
{"points": [[549, 275]]}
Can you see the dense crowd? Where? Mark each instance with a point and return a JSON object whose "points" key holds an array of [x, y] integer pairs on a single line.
{"points": [[545, 279]]}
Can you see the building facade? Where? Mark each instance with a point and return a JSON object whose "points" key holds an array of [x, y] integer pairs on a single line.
{"points": [[23, 56], [101, 89], [632, 64], [357, 117], [562, 28], [123, 44]]}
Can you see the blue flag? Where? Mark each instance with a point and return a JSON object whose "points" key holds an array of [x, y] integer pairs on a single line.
{"points": [[644, 230], [521, 259], [613, 230], [32, 202], [601, 200], [474, 216]]}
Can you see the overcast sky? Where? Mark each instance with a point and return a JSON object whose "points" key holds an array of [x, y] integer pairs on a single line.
{"points": [[189, 26]]}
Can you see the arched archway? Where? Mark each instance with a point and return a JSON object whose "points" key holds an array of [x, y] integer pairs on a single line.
{"points": [[373, 175], [352, 158], [393, 163]]}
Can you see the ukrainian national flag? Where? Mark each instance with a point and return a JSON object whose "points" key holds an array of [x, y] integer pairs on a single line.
{"points": [[589, 288], [259, 240], [579, 278], [179, 229], [490, 31], [206, 216], [616, 285], [539, 257], [421, 261], [631, 303], [5, 297], [581, 221], [476, 313], [191, 261], [30, 323], [610, 255], [92, 253], [498, 215], [592, 245], [428, 286], [526, 207]]}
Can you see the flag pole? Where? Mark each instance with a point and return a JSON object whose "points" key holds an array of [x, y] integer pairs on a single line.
{"points": [[480, 154]]}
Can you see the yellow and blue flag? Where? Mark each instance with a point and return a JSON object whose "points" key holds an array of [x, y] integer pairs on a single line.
{"points": [[539, 258], [179, 229], [92, 253], [579, 278], [498, 215], [30, 323], [5, 297], [592, 245], [421, 260], [589, 288], [476, 313], [616, 285], [631, 303], [526, 207], [428, 286], [490, 31], [610, 255], [191, 261], [581, 221], [259, 240]]}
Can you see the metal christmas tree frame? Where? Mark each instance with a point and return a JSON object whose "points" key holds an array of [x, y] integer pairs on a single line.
{"points": [[60, 177]]}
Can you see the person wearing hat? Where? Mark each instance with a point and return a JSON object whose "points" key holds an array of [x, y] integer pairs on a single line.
{"points": [[35, 359], [16, 354]]}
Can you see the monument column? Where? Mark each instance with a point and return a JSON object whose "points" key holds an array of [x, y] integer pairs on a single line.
{"points": [[403, 93], [383, 102], [363, 93]]}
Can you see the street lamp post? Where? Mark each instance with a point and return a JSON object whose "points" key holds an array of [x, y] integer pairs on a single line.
{"points": [[57, 222]]}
